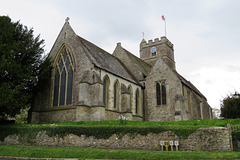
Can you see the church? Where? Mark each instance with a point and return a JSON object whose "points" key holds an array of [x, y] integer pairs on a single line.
{"points": [[90, 84]]}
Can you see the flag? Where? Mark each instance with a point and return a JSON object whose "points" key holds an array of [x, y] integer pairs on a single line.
{"points": [[163, 18]]}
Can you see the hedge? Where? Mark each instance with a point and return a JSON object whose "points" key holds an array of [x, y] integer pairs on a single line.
{"points": [[99, 132]]}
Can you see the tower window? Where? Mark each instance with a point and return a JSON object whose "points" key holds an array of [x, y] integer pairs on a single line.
{"points": [[161, 94], [63, 81]]}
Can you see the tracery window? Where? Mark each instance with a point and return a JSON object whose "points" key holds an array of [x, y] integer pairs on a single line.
{"points": [[63, 79], [161, 94]]}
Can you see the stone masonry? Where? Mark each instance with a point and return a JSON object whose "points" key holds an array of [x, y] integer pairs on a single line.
{"points": [[213, 139]]}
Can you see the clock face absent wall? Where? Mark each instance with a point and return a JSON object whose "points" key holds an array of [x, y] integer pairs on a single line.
{"points": [[153, 51]]}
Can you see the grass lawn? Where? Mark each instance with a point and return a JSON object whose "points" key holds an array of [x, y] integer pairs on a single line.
{"points": [[82, 153]]}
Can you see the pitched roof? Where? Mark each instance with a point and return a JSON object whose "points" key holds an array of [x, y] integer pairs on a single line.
{"points": [[106, 61], [142, 65], [189, 84]]}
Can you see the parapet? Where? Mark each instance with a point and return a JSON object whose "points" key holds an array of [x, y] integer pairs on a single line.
{"points": [[156, 42]]}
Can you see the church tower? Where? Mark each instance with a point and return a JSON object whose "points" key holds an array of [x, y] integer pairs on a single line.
{"points": [[151, 51]]}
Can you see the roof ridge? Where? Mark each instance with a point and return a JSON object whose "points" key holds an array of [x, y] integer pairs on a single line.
{"points": [[93, 44], [129, 53]]}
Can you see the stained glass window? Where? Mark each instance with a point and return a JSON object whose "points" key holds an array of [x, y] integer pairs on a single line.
{"points": [[161, 93], [63, 82], [69, 86]]}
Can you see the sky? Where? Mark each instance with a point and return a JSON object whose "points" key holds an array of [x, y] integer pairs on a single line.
{"points": [[205, 33]]}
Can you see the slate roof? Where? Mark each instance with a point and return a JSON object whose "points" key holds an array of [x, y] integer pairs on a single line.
{"points": [[189, 85], [106, 61], [143, 67]]}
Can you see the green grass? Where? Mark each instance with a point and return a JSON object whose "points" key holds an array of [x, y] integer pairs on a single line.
{"points": [[201, 123], [105, 129], [82, 153]]}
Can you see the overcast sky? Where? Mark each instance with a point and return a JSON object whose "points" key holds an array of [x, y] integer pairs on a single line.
{"points": [[205, 33]]}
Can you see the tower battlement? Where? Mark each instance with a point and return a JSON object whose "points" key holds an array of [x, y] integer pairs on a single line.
{"points": [[156, 42], [158, 48]]}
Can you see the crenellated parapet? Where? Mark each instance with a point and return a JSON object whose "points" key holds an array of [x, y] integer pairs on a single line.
{"points": [[156, 42]]}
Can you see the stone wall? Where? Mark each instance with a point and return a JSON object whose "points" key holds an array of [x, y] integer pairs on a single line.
{"points": [[213, 139]]}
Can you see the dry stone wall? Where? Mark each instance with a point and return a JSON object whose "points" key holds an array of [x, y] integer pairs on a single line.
{"points": [[213, 139]]}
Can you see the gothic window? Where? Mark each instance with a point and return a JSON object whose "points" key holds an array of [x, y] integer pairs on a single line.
{"points": [[63, 81], [131, 96], [158, 91], [116, 95], [106, 83], [137, 101], [161, 93]]}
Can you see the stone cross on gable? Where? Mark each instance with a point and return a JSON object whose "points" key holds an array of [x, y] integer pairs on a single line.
{"points": [[67, 19]]}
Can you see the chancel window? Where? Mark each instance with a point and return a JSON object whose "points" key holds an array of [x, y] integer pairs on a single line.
{"points": [[63, 81], [161, 94]]}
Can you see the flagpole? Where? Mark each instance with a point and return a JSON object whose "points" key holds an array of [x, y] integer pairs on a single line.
{"points": [[165, 25], [165, 28]]}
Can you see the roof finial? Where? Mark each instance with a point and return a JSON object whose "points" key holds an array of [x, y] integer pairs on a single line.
{"points": [[67, 19]]}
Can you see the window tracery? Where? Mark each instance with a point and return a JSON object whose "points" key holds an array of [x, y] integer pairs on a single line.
{"points": [[161, 93], [63, 79]]}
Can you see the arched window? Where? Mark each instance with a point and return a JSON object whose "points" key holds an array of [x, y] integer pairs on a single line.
{"points": [[161, 93], [106, 83], [164, 100], [63, 81], [158, 92], [137, 101], [131, 96], [116, 95]]}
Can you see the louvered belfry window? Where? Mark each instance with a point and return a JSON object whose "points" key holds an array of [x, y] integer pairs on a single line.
{"points": [[63, 81]]}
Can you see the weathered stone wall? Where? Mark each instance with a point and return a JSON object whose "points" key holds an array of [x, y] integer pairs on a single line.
{"points": [[214, 139], [66, 114], [160, 72], [207, 139]]}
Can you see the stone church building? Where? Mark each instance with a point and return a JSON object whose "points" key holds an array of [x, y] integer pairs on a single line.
{"points": [[90, 84]]}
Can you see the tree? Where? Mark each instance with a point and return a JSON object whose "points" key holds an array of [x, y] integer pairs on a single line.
{"points": [[21, 63], [230, 106]]}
